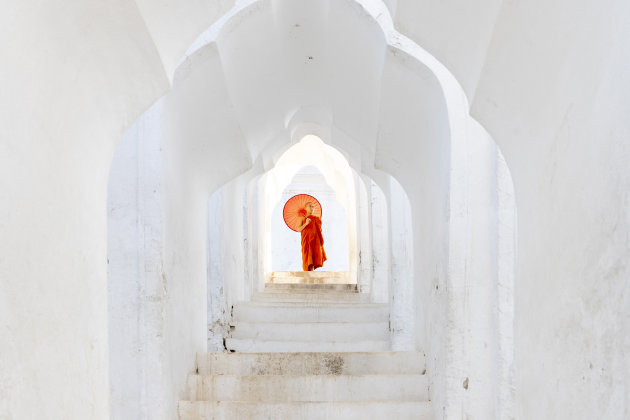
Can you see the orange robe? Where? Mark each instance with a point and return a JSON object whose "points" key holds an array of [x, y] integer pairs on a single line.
{"points": [[313, 244]]}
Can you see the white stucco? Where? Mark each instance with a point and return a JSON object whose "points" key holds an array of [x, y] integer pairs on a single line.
{"points": [[135, 283], [393, 93], [381, 249], [401, 285], [565, 155]]}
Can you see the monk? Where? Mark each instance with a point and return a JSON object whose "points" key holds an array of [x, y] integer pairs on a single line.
{"points": [[313, 254]]}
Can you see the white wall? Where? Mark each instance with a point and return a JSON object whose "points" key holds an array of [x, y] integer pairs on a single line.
{"points": [[176, 169], [363, 215], [414, 147], [74, 77], [228, 263], [554, 94], [482, 236], [217, 307], [547, 79], [504, 290], [157, 274], [123, 281], [135, 274], [456, 32], [381, 244], [195, 166], [402, 296]]}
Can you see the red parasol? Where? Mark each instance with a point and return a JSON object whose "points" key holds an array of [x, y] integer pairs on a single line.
{"points": [[295, 208]]}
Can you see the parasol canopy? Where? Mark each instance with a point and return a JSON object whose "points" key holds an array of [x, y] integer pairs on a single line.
{"points": [[294, 209]]}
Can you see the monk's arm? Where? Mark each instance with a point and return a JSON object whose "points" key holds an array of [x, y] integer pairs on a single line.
{"points": [[304, 223]]}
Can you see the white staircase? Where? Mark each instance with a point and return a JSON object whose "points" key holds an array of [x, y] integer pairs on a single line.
{"points": [[316, 349]]}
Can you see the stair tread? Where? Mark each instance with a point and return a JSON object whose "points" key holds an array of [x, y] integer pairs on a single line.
{"points": [[341, 289], [279, 346], [307, 376], [316, 354], [325, 305], [312, 363], [278, 296], [307, 341], [312, 331], [307, 323], [315, 410], [287, 388]]}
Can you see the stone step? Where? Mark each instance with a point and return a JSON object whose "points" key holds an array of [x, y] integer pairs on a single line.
{"points": [[312, 331], [283, 346], [310, 297], [322, 277], [248, 364], [311, 288], [317, 312], [289, 388], [301, 280], [359, 410]]}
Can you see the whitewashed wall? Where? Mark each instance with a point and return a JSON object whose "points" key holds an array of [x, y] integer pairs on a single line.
{"points": [[56, 142], [217, 305], [402, 316], [554, 94], [414, 147], [228, 258], [165, 252], [547, 79], [195, 166], [135, 274], [381, 244], [363, 215]]}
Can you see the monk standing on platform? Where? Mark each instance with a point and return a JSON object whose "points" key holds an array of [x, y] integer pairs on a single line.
{"points": [[313, 254]]}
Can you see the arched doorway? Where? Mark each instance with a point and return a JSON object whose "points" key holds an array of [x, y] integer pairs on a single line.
{"points": [[426, 145]]}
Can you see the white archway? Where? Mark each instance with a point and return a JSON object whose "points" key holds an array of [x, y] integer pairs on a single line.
{"points": [[285, 243], [427, 145], [337, 174]]}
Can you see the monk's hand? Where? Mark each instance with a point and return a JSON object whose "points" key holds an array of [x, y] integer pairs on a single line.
{"points": [[307, 222]]}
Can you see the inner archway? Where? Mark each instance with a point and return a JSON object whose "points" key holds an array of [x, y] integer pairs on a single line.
{"points": [[311, 167], [426, 144], [285, 243]]}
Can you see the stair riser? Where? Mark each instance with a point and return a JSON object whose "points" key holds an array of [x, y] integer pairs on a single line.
{"points": [[310, 287], [248, 364], [276, 389], [310, 297], [257, 346], [305, 411], [311, 275], [284, 288], [300, 280], [260, 313], [312, 331]]}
